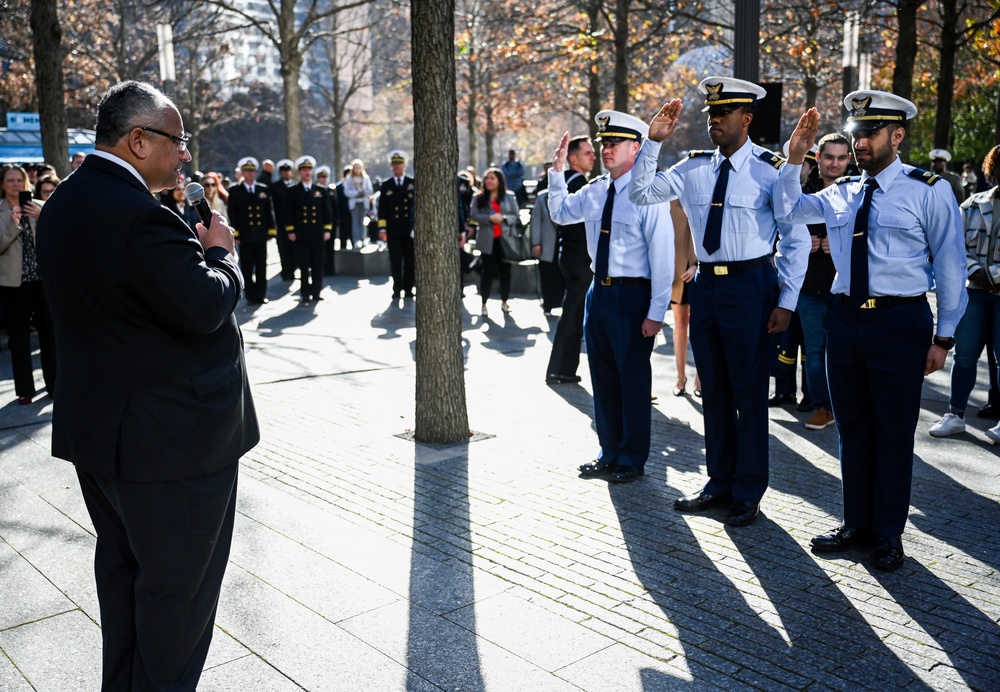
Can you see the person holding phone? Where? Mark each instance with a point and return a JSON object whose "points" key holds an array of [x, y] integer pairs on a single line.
{"points": [[21, 291]]}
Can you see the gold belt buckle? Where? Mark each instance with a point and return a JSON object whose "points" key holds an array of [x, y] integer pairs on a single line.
{"points": [[721, 270], [868, 304], [606, 281]]}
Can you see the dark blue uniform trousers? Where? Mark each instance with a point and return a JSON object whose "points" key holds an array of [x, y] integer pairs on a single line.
{"points": [[619, 354], [162, 551], [729, 340], [875, 365]]}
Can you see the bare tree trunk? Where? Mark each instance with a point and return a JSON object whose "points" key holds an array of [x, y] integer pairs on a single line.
{"points": [[46, 43], [491, 132], [291, 68], [440, 407], [594, 98], [472, 113], [946, 73], [996, 128], [194, 148], [906, 55], [621, 55]]}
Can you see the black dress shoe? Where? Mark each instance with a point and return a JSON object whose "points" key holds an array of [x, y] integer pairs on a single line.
{"points": [[742, 513], [562, 379], [805, 406], [782, 400], [888, 554], [990, 412], [842, 538], [597, 468], [625, 474], [701, 500]]}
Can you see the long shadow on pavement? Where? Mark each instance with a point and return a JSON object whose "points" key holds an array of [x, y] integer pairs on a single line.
{"points": [[438, 649]]}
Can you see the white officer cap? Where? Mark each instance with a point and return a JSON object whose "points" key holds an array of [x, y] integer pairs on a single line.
{"points": [[397, 156], [873, 110], [724, 94], [285, 164], [613, 125], [323, 170], [248, 163], [810, 155], [940, 154], [305, 162]]}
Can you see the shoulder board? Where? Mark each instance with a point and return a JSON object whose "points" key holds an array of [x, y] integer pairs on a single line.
{"points": [[925, 176], [700, 152], [844, 179], [771, 159], [597, 179]]}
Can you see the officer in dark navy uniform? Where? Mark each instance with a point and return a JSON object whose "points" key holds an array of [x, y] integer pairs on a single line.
{"points": [[279, 194], [310, 224], [884, 228], [251, 214], [395, 224], [741, 292]]}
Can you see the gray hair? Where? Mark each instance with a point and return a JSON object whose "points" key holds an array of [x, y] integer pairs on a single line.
{"points": [[126, 106]]}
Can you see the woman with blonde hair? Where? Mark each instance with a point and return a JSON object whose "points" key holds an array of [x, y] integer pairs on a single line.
{"points": [[358, 189], [21, 287], [214, 194]]}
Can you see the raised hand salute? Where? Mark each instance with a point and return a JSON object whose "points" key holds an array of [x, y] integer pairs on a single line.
{"points": [[665, 121], [803, 137]]}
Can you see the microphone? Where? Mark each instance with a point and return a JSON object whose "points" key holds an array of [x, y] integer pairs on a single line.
{"points": [[196, 198]]}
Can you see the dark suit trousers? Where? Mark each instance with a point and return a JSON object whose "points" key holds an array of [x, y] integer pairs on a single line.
{"points": [[253, 263], [18, 306], [162, 550], [574, 263], [309, 254], [552, 284], [875, 366], [730, 343], [286, 253], [401, 262]]}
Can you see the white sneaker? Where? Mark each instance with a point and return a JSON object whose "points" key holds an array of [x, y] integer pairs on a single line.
{"points": [[951, 424], [994, 434], [504, 307], [485, 312]]}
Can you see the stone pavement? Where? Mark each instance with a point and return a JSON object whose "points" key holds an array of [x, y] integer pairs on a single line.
{"points": [[363, 561]]}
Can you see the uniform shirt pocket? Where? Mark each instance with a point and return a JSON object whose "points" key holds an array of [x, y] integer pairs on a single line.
{"points": [[624, 227], [840, 233], [744, 211], [898, 234], [699, 209]]}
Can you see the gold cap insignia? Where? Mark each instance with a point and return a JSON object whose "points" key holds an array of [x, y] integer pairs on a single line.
{"points": [[860, 105], [714, 91], [602, 123]]}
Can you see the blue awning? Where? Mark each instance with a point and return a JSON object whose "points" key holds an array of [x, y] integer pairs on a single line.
{"points": [[19, 146]]}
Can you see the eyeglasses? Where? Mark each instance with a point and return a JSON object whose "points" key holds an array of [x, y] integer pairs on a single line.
{"points": [[181, 142], [210, 185]]}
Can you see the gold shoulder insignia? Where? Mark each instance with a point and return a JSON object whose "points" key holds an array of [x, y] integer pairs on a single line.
{"points": [[771, 159], [925, 176], [699, 152], [844, 179]]}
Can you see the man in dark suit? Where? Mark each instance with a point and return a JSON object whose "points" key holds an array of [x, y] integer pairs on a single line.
{"points": [[395, 225], [279, 197], [251, 214], [309, 225], [154, 406]]}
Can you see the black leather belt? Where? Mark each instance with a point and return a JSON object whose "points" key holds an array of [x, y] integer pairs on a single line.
{"points": [[883, 301], [623, 281], [727, 268]]}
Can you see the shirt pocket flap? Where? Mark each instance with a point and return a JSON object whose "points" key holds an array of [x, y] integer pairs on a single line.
{"points": [[207, 382], [890, 219], [747, 201], [701, 200], [628, 218]]}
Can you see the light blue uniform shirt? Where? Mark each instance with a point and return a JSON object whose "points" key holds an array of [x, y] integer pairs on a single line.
{"points": [[749, 225], [642, 238], [910, 223]]}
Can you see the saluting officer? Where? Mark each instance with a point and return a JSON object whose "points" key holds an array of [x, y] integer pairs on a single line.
{"points": [[310, 224], [279, 194], [884, 228], [251, 214], [740, 293], [633, 263], [395, 224]]}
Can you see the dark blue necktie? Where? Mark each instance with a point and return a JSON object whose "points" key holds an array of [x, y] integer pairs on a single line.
{"points": [[604, 238], [713, 229], [859, 246]]}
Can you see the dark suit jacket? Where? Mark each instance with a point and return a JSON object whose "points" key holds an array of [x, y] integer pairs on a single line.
{"points": [[251, 216], [395, 207], [151, 384], [309, 214]]}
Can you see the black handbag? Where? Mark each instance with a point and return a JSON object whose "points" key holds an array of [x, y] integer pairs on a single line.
{"points": [[516, 243]]}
